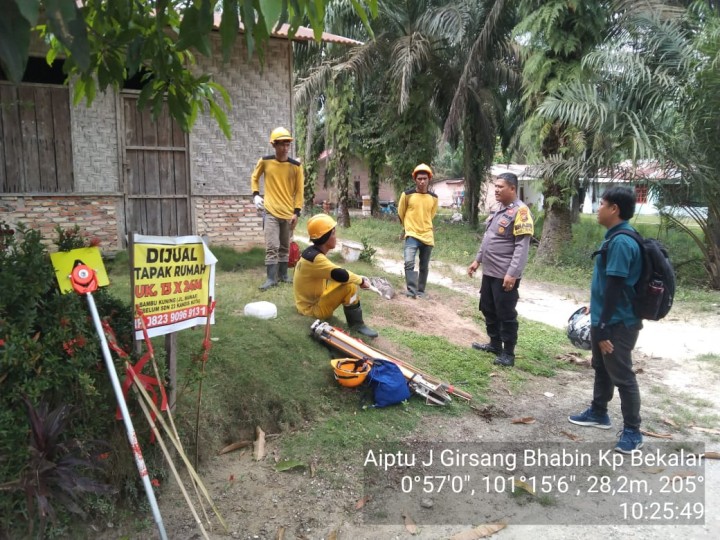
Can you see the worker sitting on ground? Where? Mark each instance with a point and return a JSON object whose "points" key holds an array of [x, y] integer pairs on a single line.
{"points": [[321, 286]]}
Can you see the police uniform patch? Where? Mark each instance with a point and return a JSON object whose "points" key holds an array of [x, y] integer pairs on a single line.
{"points": [[523, 222], [504, 222], [501, 230]]}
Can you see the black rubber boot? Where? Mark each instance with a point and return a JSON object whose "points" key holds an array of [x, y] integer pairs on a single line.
{"points": [[271, 280], [422, 282], [282, 273], [505, 359], [411, 280], [492, 347], [354, 317]]}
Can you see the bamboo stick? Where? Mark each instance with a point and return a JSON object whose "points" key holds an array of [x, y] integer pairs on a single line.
{"points": [[168, 458], [178, 447]]}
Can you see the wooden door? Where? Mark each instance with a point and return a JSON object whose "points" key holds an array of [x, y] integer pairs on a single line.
{"points": [[157, 179]]}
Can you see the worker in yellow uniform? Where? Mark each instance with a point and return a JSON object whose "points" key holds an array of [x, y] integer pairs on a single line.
{"points": [[321, 286], [284, 185], [416, 210]]}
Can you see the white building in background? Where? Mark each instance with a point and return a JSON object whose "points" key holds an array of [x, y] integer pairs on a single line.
{"points": [[639, 177], [529, 186], [451, 191]]}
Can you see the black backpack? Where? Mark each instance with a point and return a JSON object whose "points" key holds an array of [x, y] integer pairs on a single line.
{"points": [[655, 290]]}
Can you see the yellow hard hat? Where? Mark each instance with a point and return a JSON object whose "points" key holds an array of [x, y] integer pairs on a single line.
{"points": [[280, 134], [319, 225], [423, 168], [350, 372]]}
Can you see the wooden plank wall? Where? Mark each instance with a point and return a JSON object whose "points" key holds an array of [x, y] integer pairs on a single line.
{"points": [[157, 180], [35, 143]]}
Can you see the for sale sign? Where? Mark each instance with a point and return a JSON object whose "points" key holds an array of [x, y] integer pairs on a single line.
{"points": [[173, 282]]}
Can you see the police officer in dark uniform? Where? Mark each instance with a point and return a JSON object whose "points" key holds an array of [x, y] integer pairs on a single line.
{"points": [[503, 254]]}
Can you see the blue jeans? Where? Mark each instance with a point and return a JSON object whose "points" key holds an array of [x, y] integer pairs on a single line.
{"points": [[412, 247]]}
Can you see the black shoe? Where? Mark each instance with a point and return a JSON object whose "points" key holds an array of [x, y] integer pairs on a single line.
{"points": [[487, 347], [504, 359]]}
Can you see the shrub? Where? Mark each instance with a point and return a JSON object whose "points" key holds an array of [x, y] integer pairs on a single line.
{"points": [[368, 252], [49, 352]]}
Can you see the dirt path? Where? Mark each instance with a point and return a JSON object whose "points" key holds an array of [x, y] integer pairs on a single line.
{"points": [[681, 335], [258, 502]]}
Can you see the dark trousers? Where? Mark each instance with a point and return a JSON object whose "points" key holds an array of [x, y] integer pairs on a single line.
{"points": [[616, 369], [498, 307]]}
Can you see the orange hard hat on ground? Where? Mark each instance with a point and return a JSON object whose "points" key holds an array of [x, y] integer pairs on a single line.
{"points": [[423, 168], [280, 134], [349, 371], [319, 225]]}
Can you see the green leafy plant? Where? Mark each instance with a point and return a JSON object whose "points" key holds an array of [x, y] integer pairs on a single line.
{"points": [[56, 466], [49, 352], [368, 252]]}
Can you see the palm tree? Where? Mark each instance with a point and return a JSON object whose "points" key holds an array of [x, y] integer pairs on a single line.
{"points": [[655, 93], [482, 76], [556, 35], [398, 71]]}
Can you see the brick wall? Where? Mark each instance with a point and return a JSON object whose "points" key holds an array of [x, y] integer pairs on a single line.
{"points": [[96, 216], [229, 221]]}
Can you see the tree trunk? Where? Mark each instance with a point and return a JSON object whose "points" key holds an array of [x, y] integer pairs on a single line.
{"points": [[374, 174], [342, 175], [310, 165], [712, 264], [474, 175], [557, 227], [556, 233]]}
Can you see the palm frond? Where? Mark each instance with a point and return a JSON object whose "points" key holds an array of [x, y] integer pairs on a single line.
{"points": [[477, 56], [306, 89], [409, 54]]}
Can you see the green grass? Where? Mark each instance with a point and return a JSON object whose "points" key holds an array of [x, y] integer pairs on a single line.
{"points": [[712, 360], [457, 244], [272, 374]]}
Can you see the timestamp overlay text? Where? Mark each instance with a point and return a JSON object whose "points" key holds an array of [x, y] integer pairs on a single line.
{"points": [[534, 483]]}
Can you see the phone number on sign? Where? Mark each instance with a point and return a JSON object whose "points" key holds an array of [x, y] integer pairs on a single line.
{"points": [[161, 319]]}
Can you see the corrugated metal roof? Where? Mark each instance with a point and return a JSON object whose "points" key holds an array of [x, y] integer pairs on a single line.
{"points": [[306, 34], [641, 170], [303, 33]]}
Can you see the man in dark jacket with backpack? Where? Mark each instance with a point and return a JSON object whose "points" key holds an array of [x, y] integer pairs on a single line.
{"points": [[614, 325]]}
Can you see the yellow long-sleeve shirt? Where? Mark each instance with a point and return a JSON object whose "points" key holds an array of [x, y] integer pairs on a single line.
{"points": [[416, 212], [284, 185], [312, 274]]}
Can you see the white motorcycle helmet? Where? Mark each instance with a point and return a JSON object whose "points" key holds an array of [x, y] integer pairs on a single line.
{"points": [[578, 329]]}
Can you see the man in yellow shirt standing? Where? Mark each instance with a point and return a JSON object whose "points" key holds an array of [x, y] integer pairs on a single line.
{"points": [[416, 210], [284, 185], [321, 286]]}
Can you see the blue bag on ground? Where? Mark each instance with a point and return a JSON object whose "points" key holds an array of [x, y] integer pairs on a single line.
{"points": [[387, 383]]}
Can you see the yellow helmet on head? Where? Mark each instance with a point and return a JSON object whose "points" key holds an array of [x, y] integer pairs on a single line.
{"points": [[423, 168], [319, 225], [280, 134]]}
